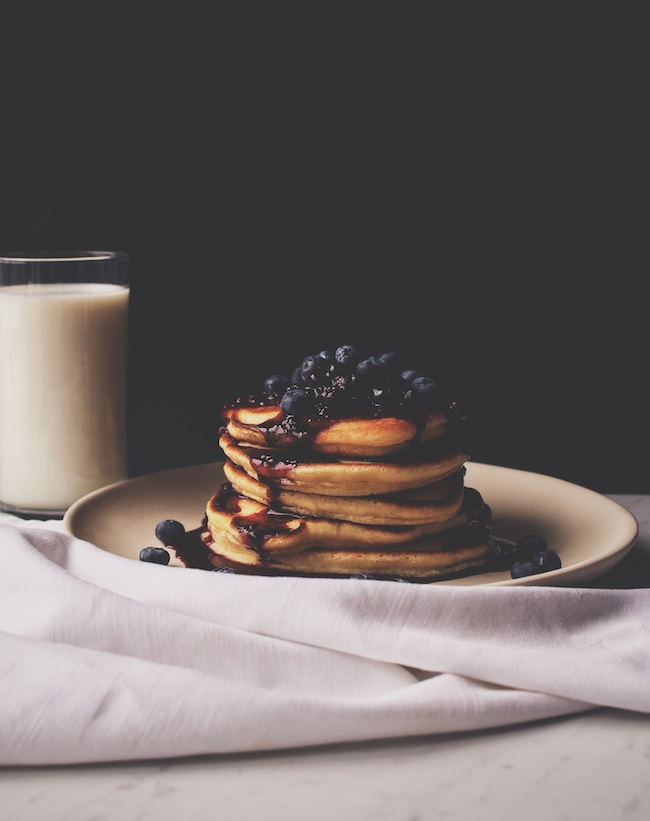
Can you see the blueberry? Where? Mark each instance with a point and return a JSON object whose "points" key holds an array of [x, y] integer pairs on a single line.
{"points": [[339, 381], [347, 356], [297, 377], [297, 402], [313, 367], [389, 362], [155, 555], [484, 516], [369, 368], [276, 384], [328, 360], [545, 560], [425, 390], [530, 544], [170, 532], [410, 375], [521, 569], [309, 367]]}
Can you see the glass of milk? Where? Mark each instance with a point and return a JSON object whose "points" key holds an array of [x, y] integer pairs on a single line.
{"points": [[63, 375]]}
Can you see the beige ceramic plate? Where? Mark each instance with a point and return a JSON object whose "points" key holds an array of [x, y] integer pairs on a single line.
{"points": [[590, 532]]}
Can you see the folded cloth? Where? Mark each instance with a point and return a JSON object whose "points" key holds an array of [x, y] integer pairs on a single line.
{"points": [[104, 658]]}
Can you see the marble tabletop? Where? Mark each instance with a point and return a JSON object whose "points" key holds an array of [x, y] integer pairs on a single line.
{"points": [[594, 765]]}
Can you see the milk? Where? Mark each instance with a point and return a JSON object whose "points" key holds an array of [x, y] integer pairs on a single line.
{"points": [[62, 392]]}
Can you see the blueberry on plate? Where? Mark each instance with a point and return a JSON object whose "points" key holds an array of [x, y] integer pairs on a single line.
{"points": [[170, 532], [530, 544], [154, 555], [523, 568], [546, 560]]}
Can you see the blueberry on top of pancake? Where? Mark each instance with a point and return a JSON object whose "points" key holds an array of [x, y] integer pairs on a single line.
{"points": [[340, 403]]}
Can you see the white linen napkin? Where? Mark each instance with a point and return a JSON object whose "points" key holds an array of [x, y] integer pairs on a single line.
{"points": [[104, 658]]}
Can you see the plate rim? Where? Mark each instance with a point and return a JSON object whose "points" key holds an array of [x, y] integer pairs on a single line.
{"points": [[564, 576]]}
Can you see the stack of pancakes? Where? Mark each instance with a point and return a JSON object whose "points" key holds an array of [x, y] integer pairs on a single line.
{"points": [[380, 495]]}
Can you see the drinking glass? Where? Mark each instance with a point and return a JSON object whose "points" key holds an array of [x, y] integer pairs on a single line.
{"points": [[63, 377]]}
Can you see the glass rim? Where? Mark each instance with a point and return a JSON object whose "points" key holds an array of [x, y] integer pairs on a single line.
{"points": [[20, 257]]}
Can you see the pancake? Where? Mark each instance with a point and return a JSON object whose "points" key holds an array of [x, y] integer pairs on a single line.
{"points": [[406, 565], [357, 437], [436, 502], [347, 467], [315, 473], [249, 536], [260, 527]]}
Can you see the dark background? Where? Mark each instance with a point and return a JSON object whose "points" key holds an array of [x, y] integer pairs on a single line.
{"points": [[469, 191]]}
